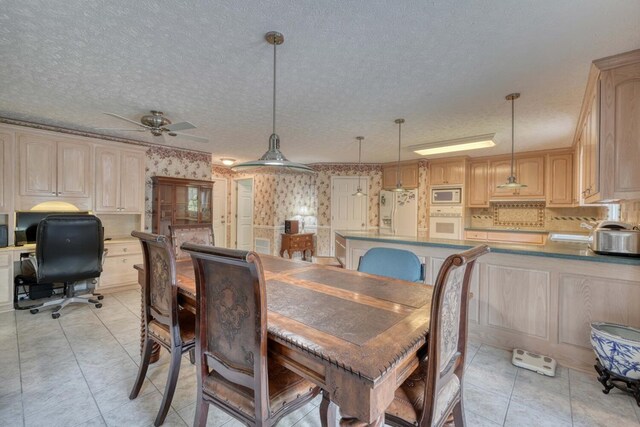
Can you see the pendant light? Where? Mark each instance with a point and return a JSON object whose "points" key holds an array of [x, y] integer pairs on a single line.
{"points": [[273, 158], [399, 188], [512, 182], [359, 191]]}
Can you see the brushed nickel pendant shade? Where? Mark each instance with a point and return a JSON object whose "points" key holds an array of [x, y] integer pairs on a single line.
{"points": [[273, 159], [359, 191], [399, 188], [512, 182]]}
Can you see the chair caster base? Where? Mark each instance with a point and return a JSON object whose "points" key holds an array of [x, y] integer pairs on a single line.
{"points": [[98, 305], [34, 311], [55, 315], [100, 297]]}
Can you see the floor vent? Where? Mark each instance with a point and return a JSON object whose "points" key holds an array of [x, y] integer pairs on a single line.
{"points": [[263, 246]]}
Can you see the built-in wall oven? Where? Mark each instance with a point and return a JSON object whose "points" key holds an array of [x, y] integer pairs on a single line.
{"points": [[446, 196], [445, 222]]}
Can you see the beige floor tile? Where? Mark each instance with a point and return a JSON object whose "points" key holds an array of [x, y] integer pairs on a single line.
{"points": [[68, 411], [487, 404], [139, 412], [11, 410], [592, 407], [548, 395], [520, 415], [99, 378], [586, 414], [477, 420], [215, 418], [116, 394], [94, 422]]}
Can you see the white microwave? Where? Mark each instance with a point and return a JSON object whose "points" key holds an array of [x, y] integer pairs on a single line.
{"points": [[446, 196]]}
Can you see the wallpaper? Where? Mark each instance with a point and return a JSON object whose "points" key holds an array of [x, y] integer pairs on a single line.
{"points": [[161, 161]]}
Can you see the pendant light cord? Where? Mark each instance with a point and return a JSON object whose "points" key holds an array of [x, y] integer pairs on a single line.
{"points": [[274, 87], [513, 100], [398, 180]]}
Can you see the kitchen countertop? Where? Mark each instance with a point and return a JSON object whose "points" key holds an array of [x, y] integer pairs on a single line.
{"points": [[507, 230], [575, 251]]}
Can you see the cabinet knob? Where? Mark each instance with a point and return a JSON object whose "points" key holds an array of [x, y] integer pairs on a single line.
{"points": [[124, 249], [124, 260]]}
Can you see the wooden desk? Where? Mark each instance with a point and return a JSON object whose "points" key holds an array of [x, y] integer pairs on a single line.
{"points": [[353, 334], [302, 242]]}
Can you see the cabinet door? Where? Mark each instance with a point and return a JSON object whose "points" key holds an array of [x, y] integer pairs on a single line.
{"points": [[37, 165], [409, 174], [389, 177], [621, 132], [74, 169], [6, 176], [204, 203], [499, 172], [560, 180], [437, 174], [107, 180], [454, 173], [531, 173], [478, 184], [6, 281], [131, 182]]}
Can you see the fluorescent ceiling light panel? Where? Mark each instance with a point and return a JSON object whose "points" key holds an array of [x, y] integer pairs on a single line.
{"points": [[452, 145]]}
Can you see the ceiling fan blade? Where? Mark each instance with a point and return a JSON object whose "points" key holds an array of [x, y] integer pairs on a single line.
{"points": [[123, 130], [127, 120], [180, 126], [186, 135]]}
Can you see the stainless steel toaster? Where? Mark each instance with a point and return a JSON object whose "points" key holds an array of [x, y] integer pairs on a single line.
{"points": [[615, 238]]}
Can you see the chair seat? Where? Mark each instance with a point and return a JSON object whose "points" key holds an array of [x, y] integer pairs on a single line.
{"points": [[409, 398], [187, 322], [284, 387]]}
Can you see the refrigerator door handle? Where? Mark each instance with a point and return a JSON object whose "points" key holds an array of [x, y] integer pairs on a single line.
{"points": [[394, 214]]}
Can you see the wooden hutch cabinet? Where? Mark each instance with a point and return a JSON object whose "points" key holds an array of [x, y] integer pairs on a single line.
{"points": [[178, 201]]}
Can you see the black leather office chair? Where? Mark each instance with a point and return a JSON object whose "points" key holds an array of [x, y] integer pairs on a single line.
{"points": [[69, 250]]}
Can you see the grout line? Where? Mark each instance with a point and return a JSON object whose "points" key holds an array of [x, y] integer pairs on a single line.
{"points": [[15, 322], [570, 394]]}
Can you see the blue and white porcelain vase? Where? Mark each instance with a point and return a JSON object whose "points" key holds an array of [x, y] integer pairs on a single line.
{"points": [[617, 347]]}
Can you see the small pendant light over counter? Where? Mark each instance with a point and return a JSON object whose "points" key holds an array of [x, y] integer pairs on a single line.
{"points": [[359, 191], [512, 182], [399, 187], [273, 159]]}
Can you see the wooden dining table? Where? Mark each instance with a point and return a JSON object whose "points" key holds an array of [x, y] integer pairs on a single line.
{"points": [[355, 335]]}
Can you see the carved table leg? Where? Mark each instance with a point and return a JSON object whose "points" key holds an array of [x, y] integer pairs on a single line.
{"points": [[155, 352]]}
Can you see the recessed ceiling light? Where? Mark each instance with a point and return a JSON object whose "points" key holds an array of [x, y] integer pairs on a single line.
{"points": [[452, 145], [227, 161]]}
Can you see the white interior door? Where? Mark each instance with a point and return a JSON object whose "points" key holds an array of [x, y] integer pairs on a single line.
{"points": [[348, 212], [244, 214], [219, 211]]}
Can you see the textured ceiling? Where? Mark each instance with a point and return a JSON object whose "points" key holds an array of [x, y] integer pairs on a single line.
{"points": [[346, 68]]}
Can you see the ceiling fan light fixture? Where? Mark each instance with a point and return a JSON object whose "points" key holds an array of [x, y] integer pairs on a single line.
{"points": [[359, 192], [273, 158], [227, 161], [453, 145], [512, 182]]}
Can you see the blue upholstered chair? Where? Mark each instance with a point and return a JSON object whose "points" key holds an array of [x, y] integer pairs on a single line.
{"points": [[395, 263]]}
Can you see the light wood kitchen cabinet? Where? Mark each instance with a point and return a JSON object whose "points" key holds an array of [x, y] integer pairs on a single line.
{"points": [[117, 270], [408, 175], [446, 172], [529, 170], [6, 176], [559, 191], [54, 168], [6, 281], [478, 188], [119, 180]]}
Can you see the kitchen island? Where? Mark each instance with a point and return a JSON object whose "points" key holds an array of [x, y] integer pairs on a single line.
{"points": [[541, 298]]}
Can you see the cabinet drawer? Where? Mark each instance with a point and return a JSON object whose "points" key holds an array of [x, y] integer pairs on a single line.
{"points": [[475, 235], [532, 238], [118, 270], [120, 249], [5, 260]]}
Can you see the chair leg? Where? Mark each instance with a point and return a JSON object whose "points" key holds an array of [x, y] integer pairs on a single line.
{"points": [[170, 388], [458, 415], [192, 356], [202, 411], [327, 411], [142, 370]]}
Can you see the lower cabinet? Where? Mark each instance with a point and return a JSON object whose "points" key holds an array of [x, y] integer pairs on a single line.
{"points": [[6, 282], [117, 270], [506, 237]]}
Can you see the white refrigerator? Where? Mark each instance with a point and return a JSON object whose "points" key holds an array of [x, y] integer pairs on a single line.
{"points": [[399, 213]]}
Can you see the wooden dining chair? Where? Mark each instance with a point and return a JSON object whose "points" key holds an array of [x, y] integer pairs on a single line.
{"points": [[234, 371], [201, 234], [164, 322], [434, 390]]}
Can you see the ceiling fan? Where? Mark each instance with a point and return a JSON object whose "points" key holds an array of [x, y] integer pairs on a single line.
{"points": [[157, 124]]}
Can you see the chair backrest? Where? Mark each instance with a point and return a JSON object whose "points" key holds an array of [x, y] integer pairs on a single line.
{"points": [[200, 234], [447, 341], [231, 318], [395, 263], [160, 291], [69, 248]]}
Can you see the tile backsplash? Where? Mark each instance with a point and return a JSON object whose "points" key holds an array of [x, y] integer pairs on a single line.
{"points": [[630, 211]]}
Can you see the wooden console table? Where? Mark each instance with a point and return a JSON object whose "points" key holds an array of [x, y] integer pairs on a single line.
{"points": [[302, 242]]}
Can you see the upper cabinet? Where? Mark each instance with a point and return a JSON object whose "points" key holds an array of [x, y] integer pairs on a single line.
{"points": [[53, 168], [608, 130], [478, 188], [529, 170], [119, 180], [408, 175], [560, 185], [449, 172], [6, 177]]}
